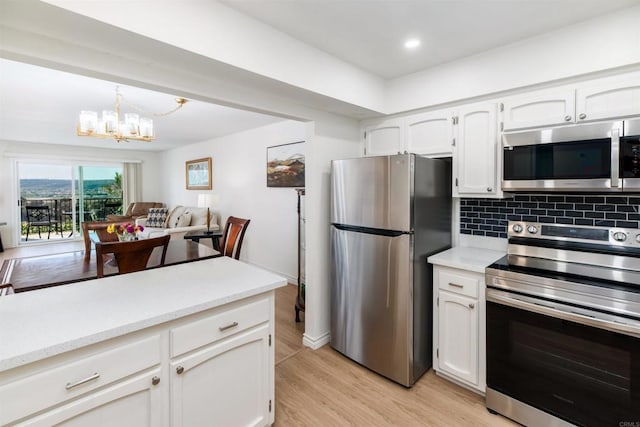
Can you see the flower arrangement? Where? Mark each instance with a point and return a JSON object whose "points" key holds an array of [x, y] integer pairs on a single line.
{"points": [[125, 231]]}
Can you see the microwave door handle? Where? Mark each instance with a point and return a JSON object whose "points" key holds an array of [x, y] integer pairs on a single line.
{"points": [[615, 158]]}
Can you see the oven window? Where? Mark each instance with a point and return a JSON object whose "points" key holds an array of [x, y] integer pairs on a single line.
{"points": [[563, 160], [585, 375]]}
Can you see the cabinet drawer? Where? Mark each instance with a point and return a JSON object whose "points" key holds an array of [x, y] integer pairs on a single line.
{"points": [[458, 282], [201, 332], [59, 384]]}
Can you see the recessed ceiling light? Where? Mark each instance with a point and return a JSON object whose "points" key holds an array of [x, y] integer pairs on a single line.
{"points": [[412, 43]]}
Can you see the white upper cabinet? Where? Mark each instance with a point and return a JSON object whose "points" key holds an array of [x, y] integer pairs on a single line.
{"points": [[539, 109], [476, 152], [383, 138], [611, 99], [431, 133], [603, 99]]}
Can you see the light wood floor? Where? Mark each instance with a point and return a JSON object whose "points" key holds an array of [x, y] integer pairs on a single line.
{"points": [[324, 388]]}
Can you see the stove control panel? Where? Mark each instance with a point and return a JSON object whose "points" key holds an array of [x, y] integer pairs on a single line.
{"points": [[628, 237]]}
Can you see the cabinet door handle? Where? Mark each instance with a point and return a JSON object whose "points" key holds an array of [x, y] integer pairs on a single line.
{"points": [[489, 189], [229, 326], [95, 376], [582, 116], [472, 306], [179, 370], [455, 285], [567, 118], [155, 380]]}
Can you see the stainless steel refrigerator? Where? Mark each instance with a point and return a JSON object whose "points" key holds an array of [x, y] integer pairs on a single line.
{"points": [[388, 214]]}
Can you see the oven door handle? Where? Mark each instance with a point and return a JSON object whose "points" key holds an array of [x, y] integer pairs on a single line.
{"points": [[565, 312]]}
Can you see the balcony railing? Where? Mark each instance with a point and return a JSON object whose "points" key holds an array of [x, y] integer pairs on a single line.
{"points": [[94, 208]]}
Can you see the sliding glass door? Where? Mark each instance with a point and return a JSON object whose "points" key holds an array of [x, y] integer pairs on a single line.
{"points": [[56, 198]]}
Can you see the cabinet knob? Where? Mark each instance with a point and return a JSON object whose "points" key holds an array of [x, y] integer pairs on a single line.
{"points": [[489, 189], [472, 305], [567, 118], [582, 116], [155, 380], [179, 370]]}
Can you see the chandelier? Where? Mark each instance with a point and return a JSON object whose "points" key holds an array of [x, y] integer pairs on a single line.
{"points": [[131, 128]]}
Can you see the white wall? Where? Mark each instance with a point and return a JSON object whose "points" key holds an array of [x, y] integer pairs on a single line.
{"points": [[329, 138], [239, 178], [48, 153]]}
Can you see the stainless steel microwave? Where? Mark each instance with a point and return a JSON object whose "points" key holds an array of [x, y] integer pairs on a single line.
{"points": [[594, 157]]}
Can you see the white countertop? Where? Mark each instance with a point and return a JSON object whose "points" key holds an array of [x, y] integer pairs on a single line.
{"points": [[466, 258], [42, 323]]}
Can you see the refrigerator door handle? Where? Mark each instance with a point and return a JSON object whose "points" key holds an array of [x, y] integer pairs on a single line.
{"points": [[368, 230]]}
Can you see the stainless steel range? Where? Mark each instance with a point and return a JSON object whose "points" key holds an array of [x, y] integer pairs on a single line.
{"points": [[563, 326]]}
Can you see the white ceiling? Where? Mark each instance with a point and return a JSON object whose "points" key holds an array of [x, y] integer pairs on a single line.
{"points": [[370, 33], [42, 105]]}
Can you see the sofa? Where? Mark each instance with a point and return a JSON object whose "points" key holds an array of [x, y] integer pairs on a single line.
{"points": [[175, 222], [134, 211]]}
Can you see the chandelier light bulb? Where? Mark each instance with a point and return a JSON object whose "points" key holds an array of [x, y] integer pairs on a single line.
{"points": [[88, 121], [110, 119], [132, 127]]}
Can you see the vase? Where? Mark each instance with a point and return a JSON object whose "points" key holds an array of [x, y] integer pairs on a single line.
{"points": [[126, 237]]}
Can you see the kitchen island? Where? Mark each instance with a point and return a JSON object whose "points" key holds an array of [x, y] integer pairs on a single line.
{"points": [[190, 345]]}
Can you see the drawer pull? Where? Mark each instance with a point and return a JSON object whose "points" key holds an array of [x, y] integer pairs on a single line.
{"points": [[69, 386], [455, 285], [229, 326]]}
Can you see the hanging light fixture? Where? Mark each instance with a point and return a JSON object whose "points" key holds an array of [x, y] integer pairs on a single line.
{"points": [[131, 127]]}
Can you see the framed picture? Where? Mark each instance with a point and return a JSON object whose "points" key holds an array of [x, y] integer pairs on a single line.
{"points": [[285, 165], [198, 174]]}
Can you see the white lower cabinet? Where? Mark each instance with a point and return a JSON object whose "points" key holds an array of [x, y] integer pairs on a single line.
{"points": [[458, 344], [137, 398], [211, 368], [459, 326], [225, 384]]}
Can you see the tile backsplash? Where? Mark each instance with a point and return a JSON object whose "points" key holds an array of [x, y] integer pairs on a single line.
{"points": [[488, 217]]}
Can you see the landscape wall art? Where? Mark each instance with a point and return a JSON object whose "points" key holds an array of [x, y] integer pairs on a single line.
{"points": [[285, 165]]}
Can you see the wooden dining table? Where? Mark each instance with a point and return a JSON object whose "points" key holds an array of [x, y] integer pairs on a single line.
{"points": [[26, 274]]}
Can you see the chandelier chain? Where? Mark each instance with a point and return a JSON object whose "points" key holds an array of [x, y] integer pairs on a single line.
{"points": [[180, 102]]}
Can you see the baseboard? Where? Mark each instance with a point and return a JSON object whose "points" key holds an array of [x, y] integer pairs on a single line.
{"points": [[316, 343]]}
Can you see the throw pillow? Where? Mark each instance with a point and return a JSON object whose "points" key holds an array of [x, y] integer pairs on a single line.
{"points": [[173, 216], [157, 217], [183, 220]]}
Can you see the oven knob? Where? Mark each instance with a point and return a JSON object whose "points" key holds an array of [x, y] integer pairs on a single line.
{"points": [[532, 229], [518, 228], [620, 236]]}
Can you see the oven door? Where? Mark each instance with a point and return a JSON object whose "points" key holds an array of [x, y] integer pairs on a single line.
{"points": [[577, 365]]}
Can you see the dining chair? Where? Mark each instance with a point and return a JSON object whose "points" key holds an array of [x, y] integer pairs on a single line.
{"points": [[100, 230], [233, 236], [130, 256], [40, 216]]}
